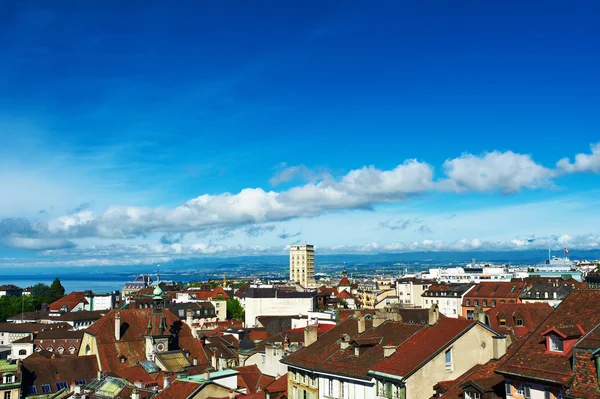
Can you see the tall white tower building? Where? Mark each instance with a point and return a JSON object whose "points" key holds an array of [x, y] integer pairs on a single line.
{"points": [[302, 264]]}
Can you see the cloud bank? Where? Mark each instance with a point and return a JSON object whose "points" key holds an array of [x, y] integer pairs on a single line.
{"points": [[255, 209]]}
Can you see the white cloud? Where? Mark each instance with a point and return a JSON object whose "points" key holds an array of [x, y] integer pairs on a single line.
{"points": [[360, 188], [36, 244], [506, 172], [583, 162]]}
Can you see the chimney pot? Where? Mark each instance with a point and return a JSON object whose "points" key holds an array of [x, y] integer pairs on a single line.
{"points": [[361, 325], [166, 382]]}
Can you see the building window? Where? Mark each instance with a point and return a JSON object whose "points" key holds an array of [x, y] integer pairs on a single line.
{"points": [[7, 395], [470, 314], [330, 387], [527, 392], [22, 352], [62, 385], [502, 322], [472, 395], [520, 390], [547, 395], [476, 302], [519, 322], [468, 302], [484, 302], [449, 360], [46, 388], [493, 303], [508, 388], [556, 344], [342, 390]]}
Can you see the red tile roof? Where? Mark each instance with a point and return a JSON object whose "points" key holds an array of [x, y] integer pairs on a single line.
{"points": [[533, 361], [326, 354], [344, 281], [321, 328], [424, 344], [39, 369], [532, 314], [279, 385], [132, 343], [585, 384], [70, 301], [179, 390], [344, 295], [496, 290], [252, 379]]}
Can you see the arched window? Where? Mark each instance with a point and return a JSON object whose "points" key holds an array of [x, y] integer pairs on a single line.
{"points": [[22, 352], [88, 350]]}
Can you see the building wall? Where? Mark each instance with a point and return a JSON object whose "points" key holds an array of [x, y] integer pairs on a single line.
{"points": [[410, 294], [269, 362], [468, 351], [7, 338], [15, 348], [353, 389], [220, 309], [90, 340], [15, 393], [100, 302], [276, 306], [297, 386], [537, 391], [302, 264]]}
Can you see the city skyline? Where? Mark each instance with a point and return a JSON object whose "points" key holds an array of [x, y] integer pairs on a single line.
{"points": [[146, 133]]}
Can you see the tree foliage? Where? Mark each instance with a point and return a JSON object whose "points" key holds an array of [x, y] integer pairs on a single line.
{"points": [[57, 291], [12, 305], [235, 311]]}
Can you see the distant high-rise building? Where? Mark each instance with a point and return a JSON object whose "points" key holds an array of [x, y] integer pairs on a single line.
{"points": [[302, 264]]}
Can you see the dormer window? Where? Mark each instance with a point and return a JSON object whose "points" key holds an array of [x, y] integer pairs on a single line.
{"points": [[555, 343], [502, 322], [472, 395], [519, 322]]}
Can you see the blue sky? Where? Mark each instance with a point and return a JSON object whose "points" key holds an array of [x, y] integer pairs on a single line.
{"points": [[147, 131]]}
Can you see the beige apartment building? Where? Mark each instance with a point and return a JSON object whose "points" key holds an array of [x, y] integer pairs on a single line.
{"points": [[302, 264]]}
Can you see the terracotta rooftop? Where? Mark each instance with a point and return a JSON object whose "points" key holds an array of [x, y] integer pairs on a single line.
{"points": [[132, 344], [68, 301], [252, 379], [326, 354], [344, 295], [344, 281], [424, 344], [50, 374], [580, 308], [532, 315], [585, 384], [496, 290]]}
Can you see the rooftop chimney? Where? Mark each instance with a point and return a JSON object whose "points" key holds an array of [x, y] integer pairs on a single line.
{"points": [[361, 324], [138, 384], [207, 375], [498, 346], [479, 315], [388, 350], [310, 334], [195, 361], [118, 326], [135, 394], [166, 382], [434, 315]]}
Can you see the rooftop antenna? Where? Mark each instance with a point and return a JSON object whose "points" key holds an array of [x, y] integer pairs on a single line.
{"points": [[549, 259], [157, 274]]}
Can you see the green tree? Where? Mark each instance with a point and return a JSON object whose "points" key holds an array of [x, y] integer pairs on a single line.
{"points": [[57, 291], [235, 311], [42, 292], [13, 305]]}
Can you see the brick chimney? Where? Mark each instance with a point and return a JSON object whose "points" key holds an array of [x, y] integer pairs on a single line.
{"points": [[310, 335], [118, 326]]}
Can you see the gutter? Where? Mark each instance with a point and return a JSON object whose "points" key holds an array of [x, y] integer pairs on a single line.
{"points": [[527, 377], [386, 375]]}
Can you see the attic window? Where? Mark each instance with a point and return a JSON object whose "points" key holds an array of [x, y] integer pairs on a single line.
{"points": [[555, 343], [472, 395], [519, 322], [502, 322]]}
